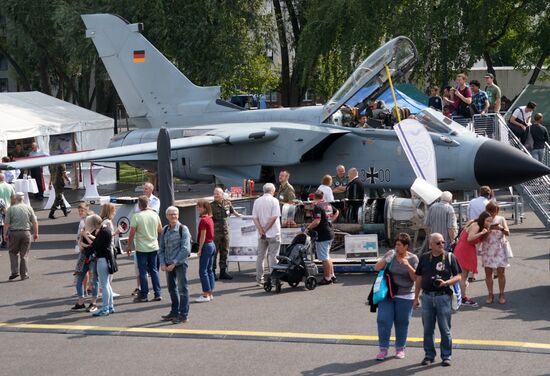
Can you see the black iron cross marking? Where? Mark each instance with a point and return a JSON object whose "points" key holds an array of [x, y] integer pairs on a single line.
{"points": [[372, 175]]}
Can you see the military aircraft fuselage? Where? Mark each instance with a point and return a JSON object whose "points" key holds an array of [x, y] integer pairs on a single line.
{"points": [[376, 153]]}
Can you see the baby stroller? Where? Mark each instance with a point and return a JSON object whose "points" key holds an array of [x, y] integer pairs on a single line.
{"points": [[295, 266]]}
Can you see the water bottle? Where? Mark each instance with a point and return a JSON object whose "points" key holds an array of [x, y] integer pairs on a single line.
{"points": [[389, 256]]}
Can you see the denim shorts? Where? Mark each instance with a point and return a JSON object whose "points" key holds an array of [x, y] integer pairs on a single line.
{"points": [[323, 249]]}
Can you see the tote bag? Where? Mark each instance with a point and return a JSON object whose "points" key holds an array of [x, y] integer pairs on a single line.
{"points": [[381, 285], [456, 297]]}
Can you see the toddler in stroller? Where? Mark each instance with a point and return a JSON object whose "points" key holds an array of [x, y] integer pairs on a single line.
{"points": [[295, 265]]}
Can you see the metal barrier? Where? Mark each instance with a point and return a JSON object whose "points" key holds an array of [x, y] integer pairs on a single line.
{"points": [[536, 191]]}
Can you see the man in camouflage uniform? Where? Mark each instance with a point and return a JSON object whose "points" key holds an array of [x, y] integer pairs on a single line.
{"points": [[58, 176], [286, 191], [221, 210]]}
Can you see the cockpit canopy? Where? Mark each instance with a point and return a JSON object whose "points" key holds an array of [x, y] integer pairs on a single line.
{"points": [[399, 54]]}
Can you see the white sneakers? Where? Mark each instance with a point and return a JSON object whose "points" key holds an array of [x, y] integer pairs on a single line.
{"points": [[203, 299]]}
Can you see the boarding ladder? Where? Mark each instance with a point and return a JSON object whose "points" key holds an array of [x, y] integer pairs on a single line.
{"points": [[537, 191]]}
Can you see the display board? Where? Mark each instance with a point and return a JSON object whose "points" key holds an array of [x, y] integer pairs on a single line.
{"points": [[243, 241], [288, 234], [361, 246]]}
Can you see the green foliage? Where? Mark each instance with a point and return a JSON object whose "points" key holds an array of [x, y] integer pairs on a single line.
{"points": [[340, 33], [212, 41], [224, 42]]}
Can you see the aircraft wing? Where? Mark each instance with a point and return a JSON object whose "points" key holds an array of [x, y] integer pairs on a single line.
{"points": [[145, 151]]}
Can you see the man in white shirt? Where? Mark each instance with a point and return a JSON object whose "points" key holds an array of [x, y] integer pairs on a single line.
{"points": [[154, 201], [477, 205], [266, 213], [521, 119]]}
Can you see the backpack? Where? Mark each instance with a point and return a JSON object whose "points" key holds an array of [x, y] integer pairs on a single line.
{"points": [[165, 230], [194, 245], [456, 297]]}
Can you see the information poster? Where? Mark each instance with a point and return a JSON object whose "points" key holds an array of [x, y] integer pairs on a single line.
{"points": [[288, 234], [361, 246], [243, 242]]}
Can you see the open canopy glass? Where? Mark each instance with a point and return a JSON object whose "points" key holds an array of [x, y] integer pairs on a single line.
{"points": [[399, 54]]}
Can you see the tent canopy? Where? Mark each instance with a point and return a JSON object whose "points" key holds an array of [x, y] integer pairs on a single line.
{"points": [[34, 114], [403, 100]]}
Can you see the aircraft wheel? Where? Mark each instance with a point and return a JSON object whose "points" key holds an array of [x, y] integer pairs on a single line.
{"points": [[311, 283]]}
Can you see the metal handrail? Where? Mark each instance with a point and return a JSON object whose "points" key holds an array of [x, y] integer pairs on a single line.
{"points": [[536, 191]]}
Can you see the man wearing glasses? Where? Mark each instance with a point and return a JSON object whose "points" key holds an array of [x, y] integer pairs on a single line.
{"points": [[437, 270]]}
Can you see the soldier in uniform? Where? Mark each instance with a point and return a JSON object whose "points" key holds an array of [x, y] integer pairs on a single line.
{"points": [[286, 191], [221, 210], [58, 177]]}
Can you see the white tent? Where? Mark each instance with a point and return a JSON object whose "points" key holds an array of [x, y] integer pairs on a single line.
{"points": [[34, 114]]}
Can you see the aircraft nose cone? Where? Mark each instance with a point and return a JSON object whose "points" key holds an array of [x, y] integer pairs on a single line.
{"points": [[500, 165]]}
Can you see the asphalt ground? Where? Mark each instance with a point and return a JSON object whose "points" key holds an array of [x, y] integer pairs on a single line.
{"points": [[246, 331]]}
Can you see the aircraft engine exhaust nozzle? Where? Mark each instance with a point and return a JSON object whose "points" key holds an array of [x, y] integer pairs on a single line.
{"points": [[499, 165]]}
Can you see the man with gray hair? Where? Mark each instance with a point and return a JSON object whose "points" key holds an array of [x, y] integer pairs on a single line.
{"points": [[441, 218], [154, 202], [266, 213], [174, 250], [20, 220]]}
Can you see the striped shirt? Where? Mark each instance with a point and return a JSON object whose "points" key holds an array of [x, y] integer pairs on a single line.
{"points": [[441, 217]]}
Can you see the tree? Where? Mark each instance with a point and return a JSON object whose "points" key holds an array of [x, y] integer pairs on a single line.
{"points": [[212, 41]]}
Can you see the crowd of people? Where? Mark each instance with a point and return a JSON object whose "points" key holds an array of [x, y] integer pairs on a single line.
{"points": [[419, 281], [427, 282], [468, 100], [167, 248]]}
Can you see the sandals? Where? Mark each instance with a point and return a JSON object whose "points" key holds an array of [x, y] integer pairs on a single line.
{"points": [[490, 299], [501, 299]]}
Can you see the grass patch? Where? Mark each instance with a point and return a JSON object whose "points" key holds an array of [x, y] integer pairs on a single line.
{"points": [[129, 174]]}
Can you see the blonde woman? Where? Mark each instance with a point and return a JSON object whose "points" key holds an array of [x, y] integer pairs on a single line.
{"points": [[107, 214]]}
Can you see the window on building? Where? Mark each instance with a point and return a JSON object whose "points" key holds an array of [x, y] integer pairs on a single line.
{"points": [[3, 85], [3, 63]]}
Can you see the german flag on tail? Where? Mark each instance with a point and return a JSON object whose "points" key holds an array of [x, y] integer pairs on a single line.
{"points": [[139, 56]]}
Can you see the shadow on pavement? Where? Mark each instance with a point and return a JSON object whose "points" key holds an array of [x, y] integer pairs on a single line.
{"points": [[360, 368]]}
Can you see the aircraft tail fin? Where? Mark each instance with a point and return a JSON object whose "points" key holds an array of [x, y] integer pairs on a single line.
{"points": [[146, 81]]}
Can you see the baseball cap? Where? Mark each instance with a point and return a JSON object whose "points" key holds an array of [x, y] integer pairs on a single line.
{"points": [[489, 75], [19, 194]]}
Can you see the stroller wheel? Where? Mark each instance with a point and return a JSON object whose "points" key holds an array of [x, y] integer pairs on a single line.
{"points": [[267, 285], [293, 284], [278, 286], [311, 283]]}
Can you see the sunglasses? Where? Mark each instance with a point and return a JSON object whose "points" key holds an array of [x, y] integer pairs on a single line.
{"points": [[439, 243]]}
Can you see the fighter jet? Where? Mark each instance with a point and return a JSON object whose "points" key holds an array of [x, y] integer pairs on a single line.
{"points": [[212, 139]]}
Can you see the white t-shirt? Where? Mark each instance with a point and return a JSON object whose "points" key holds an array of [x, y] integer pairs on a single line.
{"points": [[265, 208], [476, 207], [327, 193], [154, 203], [521, 114]]}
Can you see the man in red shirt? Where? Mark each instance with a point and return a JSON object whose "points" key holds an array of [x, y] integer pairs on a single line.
{"points": [[461, 97]]}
